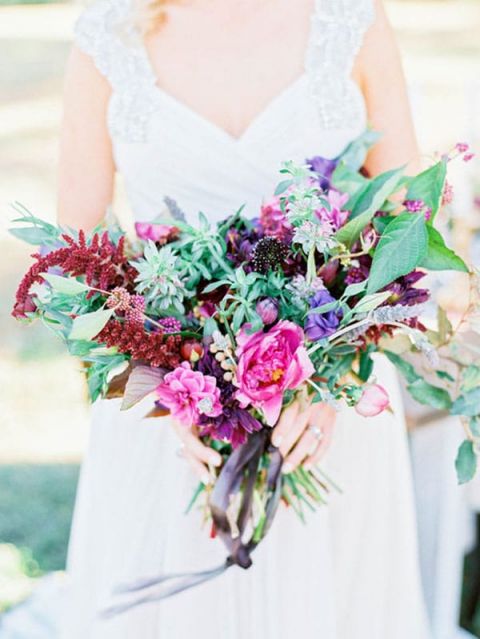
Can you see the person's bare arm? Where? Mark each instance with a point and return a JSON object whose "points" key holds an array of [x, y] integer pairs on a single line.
{"points": [[379, 72], [86, 168]]}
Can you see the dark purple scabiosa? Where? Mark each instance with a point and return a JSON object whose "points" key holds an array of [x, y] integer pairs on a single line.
{"points": [[321, 325], [359, 270], [241, 241], [234, 424], [268, 253], [324, 169], [405, 292]]}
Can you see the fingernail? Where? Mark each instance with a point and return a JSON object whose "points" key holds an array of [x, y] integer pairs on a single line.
{"points": [[287, 468], [215, 459], [277, 440]]}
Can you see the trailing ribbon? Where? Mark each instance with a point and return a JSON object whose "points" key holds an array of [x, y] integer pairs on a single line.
{"points": [[242, 466]]}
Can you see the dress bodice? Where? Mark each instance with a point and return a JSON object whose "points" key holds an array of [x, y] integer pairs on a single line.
{"points": [[163, 148]]}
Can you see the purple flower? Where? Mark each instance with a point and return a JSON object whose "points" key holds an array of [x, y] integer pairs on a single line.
{"points": [[234, 425], [324, 168], [321, 325], [334, 216], [404, 290]]}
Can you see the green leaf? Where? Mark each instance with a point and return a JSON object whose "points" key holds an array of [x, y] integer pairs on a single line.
{"points": [[404, 367], [210, 327], [466, 462], [368, 202], [380, 223], [428, 186], [401, 248], [87, 326], [356, 152], [475, 426], [377, 191], [283, 186], [347, 180], [355, 289], [365, 368], [65, 285], [467, 404], [470, 378], [371, 302], [439, 257], [430, 395]]}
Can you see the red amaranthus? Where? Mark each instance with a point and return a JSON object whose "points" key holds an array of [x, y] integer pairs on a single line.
{"points": [[131, 337], [103, 264]]}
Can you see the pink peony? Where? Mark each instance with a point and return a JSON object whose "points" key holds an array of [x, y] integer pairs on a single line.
{"points": [[188, 394], [155, 232], [334, 215], [269, 364], [374, 400]]}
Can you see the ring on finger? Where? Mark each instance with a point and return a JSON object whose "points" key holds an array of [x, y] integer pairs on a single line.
{"points": [[316, 432]]}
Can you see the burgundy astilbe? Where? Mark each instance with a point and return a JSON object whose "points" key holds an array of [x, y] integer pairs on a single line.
{"points": [[102, 263], [130, 337]]}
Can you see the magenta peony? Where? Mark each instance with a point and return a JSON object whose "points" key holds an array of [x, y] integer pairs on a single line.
{"points": [[188, 394], [269, 364], [374, 400]]}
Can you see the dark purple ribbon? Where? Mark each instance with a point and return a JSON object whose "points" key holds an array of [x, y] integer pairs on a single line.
{"points": [[242, 466]]}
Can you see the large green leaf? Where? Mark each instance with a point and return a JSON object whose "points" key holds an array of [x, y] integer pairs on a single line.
{"points": [[428, 186], [401, 248], [65, 285], [367, 203], [430, 395], [404, 367], [87, 326], [467, 404], [356, 152], [439, 257], [466, 462]]}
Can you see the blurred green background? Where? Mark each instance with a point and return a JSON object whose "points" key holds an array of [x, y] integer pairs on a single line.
{"points": [[44, 415]]}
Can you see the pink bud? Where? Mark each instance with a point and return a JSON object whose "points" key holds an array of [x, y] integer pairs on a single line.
{"points": [[268, 310], [374, 400], [462, 147]]}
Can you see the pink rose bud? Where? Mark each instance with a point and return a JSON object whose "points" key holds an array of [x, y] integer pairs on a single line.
{"points": [[374, 400], [268, 310]]}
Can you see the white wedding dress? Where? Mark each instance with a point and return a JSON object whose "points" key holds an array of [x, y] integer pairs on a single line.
{"points": [[352, 571]]}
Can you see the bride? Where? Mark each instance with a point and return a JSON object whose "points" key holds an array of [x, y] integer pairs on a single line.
{"points": [[200, 101]]}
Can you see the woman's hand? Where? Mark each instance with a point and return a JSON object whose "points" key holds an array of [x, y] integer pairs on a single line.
{"points": [[303, 434], [199, 456]]}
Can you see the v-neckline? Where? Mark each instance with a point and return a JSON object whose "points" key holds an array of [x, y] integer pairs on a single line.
{"points": [[210, 124], [219, 131]]}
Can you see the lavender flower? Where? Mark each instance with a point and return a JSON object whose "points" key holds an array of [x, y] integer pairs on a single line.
{"points": [[300, 290], [324, 168], [321, 325]]}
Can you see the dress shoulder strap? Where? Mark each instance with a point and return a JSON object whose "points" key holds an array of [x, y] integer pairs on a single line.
{"points": [[338, 29], [105, 31]]}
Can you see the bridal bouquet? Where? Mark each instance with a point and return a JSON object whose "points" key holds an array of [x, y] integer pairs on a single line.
{"points": [[224, 325]]}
